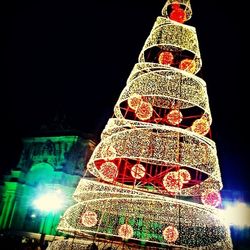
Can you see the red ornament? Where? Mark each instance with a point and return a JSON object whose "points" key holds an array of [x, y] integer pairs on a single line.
{"points": [[134, 101], [108, 171], [89, 219], [125, 231], [172, 182], [144, 111], [178, 14], [174, 117], [201, 126], [138, 171], [188, 65], [184, 175], [211, 198], [166, 58], [170, 234]]}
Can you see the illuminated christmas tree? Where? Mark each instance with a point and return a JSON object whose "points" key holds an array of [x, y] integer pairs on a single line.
{"points": [[155, 174]]}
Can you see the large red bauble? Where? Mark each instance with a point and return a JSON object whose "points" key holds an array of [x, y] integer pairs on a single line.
{"points": [[89, 219], [178, 14], [211, 198], [144, 111], [134, 101], [138, 171], [201, 126], [173, 182], [174, 117], [108, 171], [166, 57], [188, 65], [125, 231], [170, 234]]}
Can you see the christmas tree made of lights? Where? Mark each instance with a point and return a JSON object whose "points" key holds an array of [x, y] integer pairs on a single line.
{"points": [[155, 175]]}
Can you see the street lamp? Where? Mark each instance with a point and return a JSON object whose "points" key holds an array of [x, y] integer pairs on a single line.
{"points": [[51, 201]]}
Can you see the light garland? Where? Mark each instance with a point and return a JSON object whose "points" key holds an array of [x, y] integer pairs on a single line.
{"points": [[157, 213], [170, 86], [165, 35]]}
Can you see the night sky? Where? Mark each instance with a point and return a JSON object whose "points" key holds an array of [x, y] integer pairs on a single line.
{"points": [[71, 59]]}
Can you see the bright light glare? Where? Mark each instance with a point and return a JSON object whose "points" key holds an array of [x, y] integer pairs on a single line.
{"points": [[237, 214], [50, 201]]}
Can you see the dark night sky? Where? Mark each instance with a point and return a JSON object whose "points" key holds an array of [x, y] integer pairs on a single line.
{"points": [[74, 57]]}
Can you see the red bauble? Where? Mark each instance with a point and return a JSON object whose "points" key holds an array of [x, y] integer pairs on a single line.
{"points": [[125, 231], [173, 182], [108, 171], [138, 171], [174, 117], [178, 14], [188, 65], [144, 111], [201, 126], [211, 198], [184, 175], [166, 57], [134, 101], [89, 219], [170, 234]]}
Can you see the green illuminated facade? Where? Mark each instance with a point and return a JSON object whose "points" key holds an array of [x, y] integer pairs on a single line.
{"points": [[47, 163]]}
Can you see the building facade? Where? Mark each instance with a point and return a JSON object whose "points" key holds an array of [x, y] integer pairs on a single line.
{"points": [[49, 165]]}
